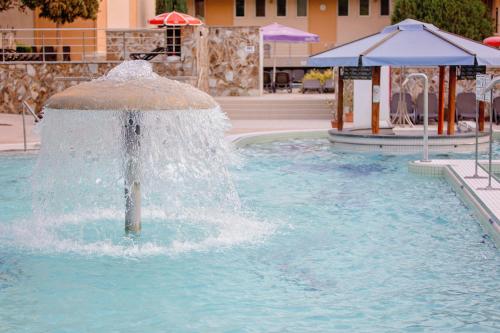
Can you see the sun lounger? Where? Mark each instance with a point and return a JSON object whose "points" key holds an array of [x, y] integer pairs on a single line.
{"points": [[433, 107], [147, 55], [283, 81], [466, 106], [268, 85], [298, 75]]}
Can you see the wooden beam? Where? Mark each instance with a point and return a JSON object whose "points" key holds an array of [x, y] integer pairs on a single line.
{"points": [[376, 101], [452, 89], [441, 100], [340, 103], [481, 116]]}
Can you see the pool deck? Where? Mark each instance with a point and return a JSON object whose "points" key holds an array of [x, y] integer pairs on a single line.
{"points": [[11, 133], [484, 201], [11, 130]]}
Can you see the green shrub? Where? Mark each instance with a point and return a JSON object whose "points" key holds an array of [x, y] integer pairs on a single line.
{"points": [[471, 18]]}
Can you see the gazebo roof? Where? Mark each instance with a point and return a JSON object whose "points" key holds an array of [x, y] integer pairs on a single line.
{"points": [[409, 43]]}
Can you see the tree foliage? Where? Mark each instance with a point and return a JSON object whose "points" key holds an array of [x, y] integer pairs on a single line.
{"points": [[163, 6], [9, 4], [469, 18], [64, 11]]}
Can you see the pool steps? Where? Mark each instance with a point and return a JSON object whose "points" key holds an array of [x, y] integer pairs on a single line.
{"points": [[484, 203]]}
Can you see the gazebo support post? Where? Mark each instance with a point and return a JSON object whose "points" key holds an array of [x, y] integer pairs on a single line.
{"points": [[451, 99], [441, 100], [481, 116], [376, 100], [340, 103]]}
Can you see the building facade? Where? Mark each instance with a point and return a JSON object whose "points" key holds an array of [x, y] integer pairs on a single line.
{"points": [[335, 21]]}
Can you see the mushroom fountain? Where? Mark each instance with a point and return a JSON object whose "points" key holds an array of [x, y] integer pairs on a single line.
{"points": [[132, 139]]}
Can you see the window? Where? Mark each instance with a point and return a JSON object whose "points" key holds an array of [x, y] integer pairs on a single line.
{"points": [[281, 7], [384, 7], [364, 7], [301, 7], [240, 7], [199, 8], [343, 7], [173, 41], [260, 7]]}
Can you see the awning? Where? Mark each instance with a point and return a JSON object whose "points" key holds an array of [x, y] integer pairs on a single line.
{"points": [[409, 43]]}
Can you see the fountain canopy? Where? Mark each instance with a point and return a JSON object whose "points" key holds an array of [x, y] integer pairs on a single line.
{"points": [[159, 159], [132, 86]]}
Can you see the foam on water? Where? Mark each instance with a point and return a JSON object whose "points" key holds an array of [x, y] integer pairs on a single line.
{"points": [[189, 199], [223, 231]]}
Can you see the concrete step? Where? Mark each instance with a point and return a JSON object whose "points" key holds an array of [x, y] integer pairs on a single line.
{"points": [[279, 117], [282, 107]]}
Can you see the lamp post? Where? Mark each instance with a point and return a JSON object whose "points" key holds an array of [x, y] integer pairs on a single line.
{"points": [[426, 111]]}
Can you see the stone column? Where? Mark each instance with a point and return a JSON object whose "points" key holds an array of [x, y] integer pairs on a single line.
{"points": [[202, 61]]}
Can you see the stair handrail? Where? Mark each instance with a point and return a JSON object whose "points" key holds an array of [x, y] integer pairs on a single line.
{"points": [[27, 106]]}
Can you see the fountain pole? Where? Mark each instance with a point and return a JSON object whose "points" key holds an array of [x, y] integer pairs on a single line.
{"points": [[132, 172]]}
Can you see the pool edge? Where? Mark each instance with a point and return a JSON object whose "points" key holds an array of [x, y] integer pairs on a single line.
{"points": [[489, 221]]}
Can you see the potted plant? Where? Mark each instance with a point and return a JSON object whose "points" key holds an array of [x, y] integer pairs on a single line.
{"points": [[348, 114], [332, 103], [312, 81]]}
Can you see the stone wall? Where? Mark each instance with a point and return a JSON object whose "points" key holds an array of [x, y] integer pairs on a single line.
{"points": [[226, 57], [36, 82], [121, 43], [234, 61], [223, 61], [415, 87]]}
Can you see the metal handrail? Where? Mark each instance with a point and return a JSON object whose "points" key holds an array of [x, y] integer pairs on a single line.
{"points": [[28, 107], [83, 45]]}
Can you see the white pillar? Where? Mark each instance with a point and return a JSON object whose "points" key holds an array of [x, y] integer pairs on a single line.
{"points": [[362, 104], [362, 101]]}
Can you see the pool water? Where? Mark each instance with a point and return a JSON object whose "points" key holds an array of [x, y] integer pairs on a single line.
{"points": [[328, 242]]}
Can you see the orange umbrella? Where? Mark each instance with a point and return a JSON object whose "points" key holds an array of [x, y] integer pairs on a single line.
{"points": [[175, 19]]}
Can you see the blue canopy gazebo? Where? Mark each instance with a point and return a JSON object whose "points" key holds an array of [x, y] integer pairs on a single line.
{"points": [[409, 43]]}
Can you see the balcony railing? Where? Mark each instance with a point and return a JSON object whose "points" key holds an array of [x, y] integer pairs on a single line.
{"points": [[88, 45]]}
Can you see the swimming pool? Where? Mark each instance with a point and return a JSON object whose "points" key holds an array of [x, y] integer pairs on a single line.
{"points": [[327, 242]]}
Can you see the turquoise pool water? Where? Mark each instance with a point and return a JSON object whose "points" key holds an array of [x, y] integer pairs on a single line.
{"points": [[327, 242]]}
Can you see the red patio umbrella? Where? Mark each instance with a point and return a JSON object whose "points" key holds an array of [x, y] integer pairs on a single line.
{"points": [[175, 19], [492, 41]]}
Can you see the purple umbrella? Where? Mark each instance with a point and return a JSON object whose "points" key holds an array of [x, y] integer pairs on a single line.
{"points": [[280, 33]]}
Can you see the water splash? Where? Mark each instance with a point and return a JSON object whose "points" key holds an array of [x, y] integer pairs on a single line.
{"points": [[190, 202], [131, 70]]}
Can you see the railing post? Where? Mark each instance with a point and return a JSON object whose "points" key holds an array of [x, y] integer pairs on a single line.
{"points": [[83, 46], [43, 47], [124, 46], [165, 42], [3, 51], [24, 127]]}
